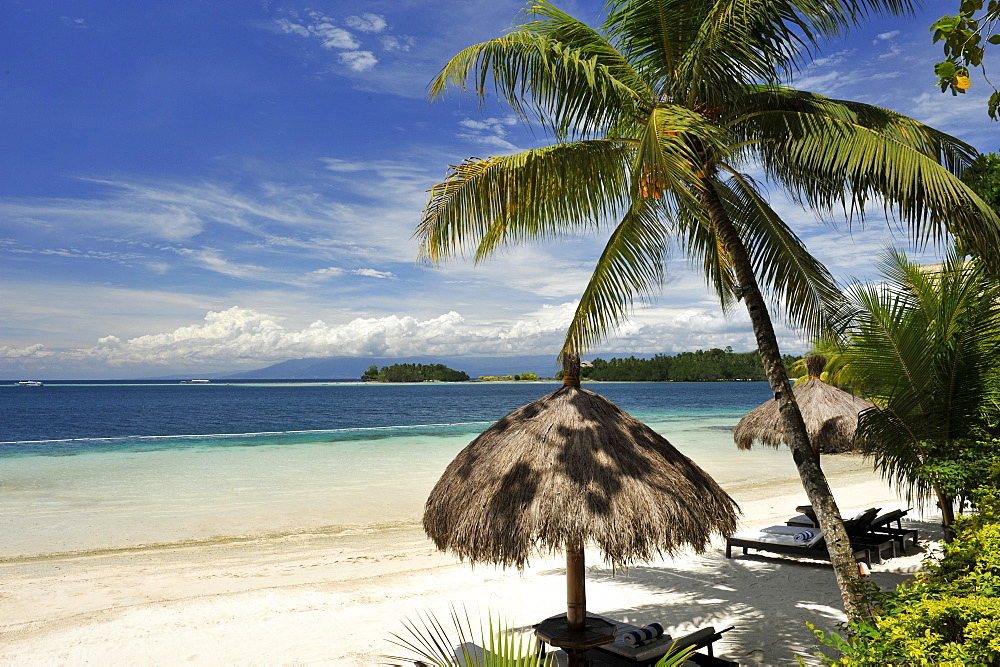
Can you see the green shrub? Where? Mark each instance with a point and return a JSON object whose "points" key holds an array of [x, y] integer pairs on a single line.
{"points": [[949, 614]]}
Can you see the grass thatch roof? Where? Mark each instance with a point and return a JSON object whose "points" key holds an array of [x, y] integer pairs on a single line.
{"points": [[574, 468], [830, 414]]}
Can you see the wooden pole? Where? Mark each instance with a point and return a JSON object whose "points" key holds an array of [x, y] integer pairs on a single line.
{"points": [[576, 589]]}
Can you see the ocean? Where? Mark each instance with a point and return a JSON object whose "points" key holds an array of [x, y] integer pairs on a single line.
{"points": [[96, 466]]}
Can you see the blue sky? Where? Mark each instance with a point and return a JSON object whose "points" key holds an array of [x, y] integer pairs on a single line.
{"points": [[210, 186]]}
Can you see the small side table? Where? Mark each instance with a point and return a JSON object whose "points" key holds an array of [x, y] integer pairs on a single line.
{"points": [[596, 632]]}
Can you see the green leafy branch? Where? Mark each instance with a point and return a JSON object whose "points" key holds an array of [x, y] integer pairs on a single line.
{"points": [[964, 36]]}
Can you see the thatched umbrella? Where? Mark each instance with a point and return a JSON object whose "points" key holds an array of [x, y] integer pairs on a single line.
{"points": [[569, 469], [830, 414]]}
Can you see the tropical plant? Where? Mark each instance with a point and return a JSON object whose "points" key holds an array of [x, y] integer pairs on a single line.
{"points": [[950, 613], [983, 176], [925, 346], [657, 116], [493, 646]]}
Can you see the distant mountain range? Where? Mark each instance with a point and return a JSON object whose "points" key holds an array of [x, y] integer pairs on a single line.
{"points": [[353, 367]]}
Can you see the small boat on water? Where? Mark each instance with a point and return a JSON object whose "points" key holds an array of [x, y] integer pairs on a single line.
{"points": [[29, 383], [195, 381]]}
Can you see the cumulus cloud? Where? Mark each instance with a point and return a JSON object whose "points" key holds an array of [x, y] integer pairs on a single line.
{"points": [[238, 334], [367, 22], [241, 336], [23, 353], [358, 61], [332, 37], [885, 35]]}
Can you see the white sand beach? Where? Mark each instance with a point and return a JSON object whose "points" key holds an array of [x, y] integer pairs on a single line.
{"points": [[335, 597]]}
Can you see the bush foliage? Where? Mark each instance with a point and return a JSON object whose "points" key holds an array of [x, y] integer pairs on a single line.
{"points": [[950, 613]]}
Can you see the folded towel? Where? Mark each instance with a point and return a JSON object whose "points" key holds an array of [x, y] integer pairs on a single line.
{"points": [[804, 536], [643, 635], [783, 530]]}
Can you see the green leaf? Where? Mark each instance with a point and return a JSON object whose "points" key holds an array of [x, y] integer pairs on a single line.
{"points": [[945, 69]]}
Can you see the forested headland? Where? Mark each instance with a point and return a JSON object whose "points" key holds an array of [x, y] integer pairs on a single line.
{"points": [[701, 366], [414, 373]]}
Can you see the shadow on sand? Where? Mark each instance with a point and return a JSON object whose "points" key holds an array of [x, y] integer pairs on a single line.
{"points": [[767, 598]]}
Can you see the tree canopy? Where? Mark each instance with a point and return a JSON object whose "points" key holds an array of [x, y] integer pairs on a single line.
{"points": [[699, 366], [414, 373]]}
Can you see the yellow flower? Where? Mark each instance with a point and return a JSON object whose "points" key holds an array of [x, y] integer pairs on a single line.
{"points": [[962, 82]]}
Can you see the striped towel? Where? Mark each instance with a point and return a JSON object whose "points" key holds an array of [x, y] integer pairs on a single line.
{"points": [[643, 635], [804, 536]]}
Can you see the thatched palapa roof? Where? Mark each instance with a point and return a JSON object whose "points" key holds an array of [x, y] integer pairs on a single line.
{"points": [[573, 468], [830, 414]]}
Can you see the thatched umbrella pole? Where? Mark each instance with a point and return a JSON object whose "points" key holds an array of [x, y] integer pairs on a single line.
{"points": [[576, 588], [576, 584]]}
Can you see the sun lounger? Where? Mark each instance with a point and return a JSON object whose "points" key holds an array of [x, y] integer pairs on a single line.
{"points": [[882, 526], [786, 544], [806, 542]]}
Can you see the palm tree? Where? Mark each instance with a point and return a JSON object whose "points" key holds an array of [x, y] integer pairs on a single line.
{"points": [[656, 116], [925, 342]]}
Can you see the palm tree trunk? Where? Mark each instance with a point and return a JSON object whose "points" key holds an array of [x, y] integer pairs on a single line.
{"points": [[813, 480], [947, 505]]}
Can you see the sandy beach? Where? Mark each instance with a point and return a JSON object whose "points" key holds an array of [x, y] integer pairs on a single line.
{"points": [[336, 596]]}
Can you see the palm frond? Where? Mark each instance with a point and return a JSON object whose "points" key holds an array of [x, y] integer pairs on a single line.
{"points": [[540, 193], [554, 69], [833, 152], [702, 52], [796, 282], [926, 341], [630, 267]]}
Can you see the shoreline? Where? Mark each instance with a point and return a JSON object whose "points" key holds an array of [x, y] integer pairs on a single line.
{"points": [[335, 597]]}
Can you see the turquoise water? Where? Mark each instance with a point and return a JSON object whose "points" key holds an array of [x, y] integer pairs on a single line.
{"points": [[97, 467]]}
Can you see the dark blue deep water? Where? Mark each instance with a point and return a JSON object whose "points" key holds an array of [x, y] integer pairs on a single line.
{"points": [[64, 419]]}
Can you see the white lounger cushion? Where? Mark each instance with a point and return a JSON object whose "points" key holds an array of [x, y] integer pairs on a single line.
{"points": [[766, 537]]}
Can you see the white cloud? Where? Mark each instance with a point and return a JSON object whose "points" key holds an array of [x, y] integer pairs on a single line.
{"points": [[487, 140], [367, 22], [212, 259], [885, 35], [336, 272], [73, 23], [293, 28], [30, 352], [397, 43], [323, 29], [332, 37], [372, 273], [893, 51], [240, 337], [832, 59], [488, 132], [237, 335], [358, 61]]}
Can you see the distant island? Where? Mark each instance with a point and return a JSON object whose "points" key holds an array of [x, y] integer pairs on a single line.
{"points": [[414, 373], [713, 365]]}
